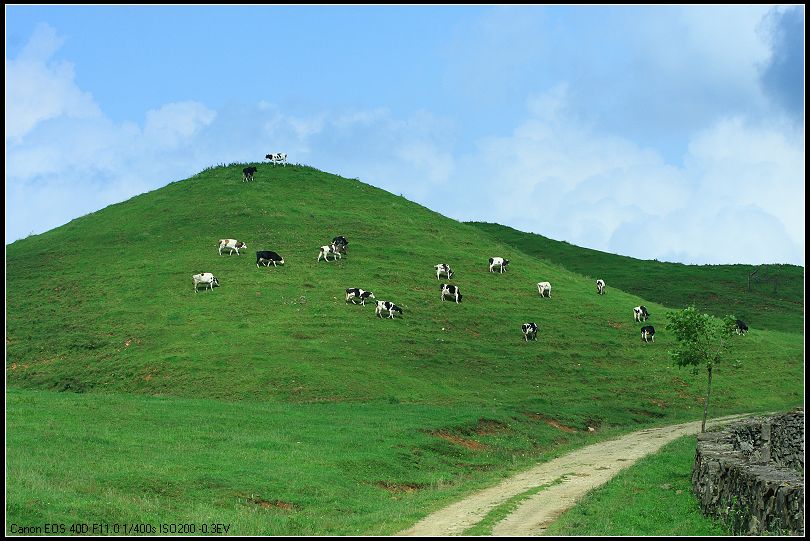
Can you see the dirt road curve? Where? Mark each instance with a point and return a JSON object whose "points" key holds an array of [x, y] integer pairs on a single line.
{"points": [[572, 475]]}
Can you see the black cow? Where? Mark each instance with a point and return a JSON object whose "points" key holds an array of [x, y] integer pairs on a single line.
{"points": [[648, 332], [740, 327], [340, 244], [268, 257], [247, 173]]}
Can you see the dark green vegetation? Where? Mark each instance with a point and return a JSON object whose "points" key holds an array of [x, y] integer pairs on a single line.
{"points": [[184, 406], [652, 497], [716, 289]]}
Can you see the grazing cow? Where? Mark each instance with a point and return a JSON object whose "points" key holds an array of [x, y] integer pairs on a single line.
{"points": [[357, 293], [443, 268], [640, 313], [277, 157], [387, 305], [600, 286], [268, 257], [326, 250], [530, 331], [340, 244], [740, 327], [247, 173], [543, 288], [206, 278], [452, 292], [648, 332], [498, 262], [231, 244]]}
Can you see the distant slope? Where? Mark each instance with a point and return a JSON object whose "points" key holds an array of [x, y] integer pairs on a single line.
{"points": [[272, 403], [715, 289]]}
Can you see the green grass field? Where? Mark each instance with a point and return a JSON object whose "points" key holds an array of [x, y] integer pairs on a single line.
{"points": [[715, 289], [272, 405], [652, 497]]}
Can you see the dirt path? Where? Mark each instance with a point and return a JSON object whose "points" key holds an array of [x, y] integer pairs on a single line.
{"points": [[573, 475]]}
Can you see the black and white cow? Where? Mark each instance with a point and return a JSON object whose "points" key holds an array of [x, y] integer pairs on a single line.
{"points": [[451, 292], [740, 327], [544, 288], [247, 173], [640, 313], [530, 331], [387, 305], [600, 286], [330, 249], [353, 293], [340, 244], [443, 268], [498, 262], [231, 244], [207, 279], [647, 333], [277, 157], [267, 257]]}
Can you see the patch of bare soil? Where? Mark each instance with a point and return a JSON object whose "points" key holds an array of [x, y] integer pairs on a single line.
{"points": [[489, 427], [458, 440], [399, 488], [551, 422], [275, 504]]}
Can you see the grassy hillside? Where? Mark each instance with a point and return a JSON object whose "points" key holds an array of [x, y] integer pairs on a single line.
{"points": [[271, 404], [715, 289]]}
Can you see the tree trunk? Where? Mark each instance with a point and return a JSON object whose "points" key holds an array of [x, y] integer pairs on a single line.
{"points": [[706, 404]]}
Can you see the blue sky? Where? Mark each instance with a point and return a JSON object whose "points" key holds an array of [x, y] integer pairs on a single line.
{"points": [[664, 132]]}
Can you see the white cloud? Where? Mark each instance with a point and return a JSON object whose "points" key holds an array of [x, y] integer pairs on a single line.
{"points": [[174, 123], [739, 197], [39, 89], [759, 167], [64, 158]]}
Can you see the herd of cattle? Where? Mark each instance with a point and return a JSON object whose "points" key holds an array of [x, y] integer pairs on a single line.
{"points": [[339, 246]]}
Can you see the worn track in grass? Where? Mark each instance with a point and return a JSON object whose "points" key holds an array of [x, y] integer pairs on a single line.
{"points": [[570, 476]]}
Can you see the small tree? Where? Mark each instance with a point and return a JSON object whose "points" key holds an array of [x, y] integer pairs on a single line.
{"points": [[702, 341]]}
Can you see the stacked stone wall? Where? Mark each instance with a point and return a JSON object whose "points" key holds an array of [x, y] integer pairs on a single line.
{"points": [[751, 474]]}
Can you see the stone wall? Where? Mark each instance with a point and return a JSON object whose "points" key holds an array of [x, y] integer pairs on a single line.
{"points": [[751, 474], [787, 441]]}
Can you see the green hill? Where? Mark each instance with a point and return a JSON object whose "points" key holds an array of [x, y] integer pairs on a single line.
{"points": [[776, 304], [272, 405]]}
